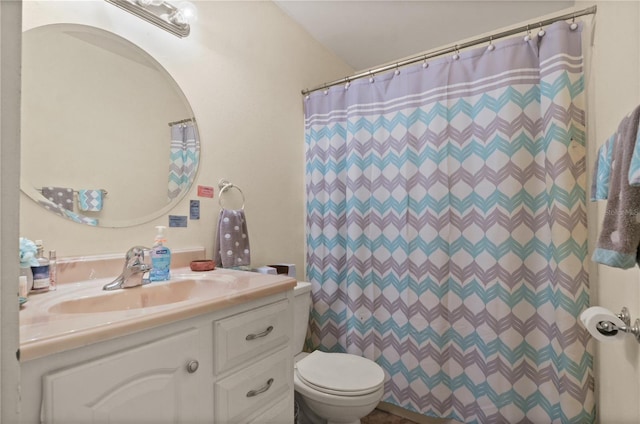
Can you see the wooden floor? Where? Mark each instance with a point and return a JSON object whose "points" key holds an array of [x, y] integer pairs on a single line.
{"points": [[386, 414], [383, 417]]}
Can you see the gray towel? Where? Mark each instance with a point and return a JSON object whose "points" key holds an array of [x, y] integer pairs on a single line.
{"points": [[620, 236], [232, 240], [60, 196]]}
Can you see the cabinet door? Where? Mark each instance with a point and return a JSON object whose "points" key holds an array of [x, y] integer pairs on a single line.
{"points": [[151, 383]]}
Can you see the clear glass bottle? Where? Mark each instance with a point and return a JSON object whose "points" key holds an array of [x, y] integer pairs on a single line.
{"points": [[40, 272], [53, 270], [23, 286], [28, 274]]}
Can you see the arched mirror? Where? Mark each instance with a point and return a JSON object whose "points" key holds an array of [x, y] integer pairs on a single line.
{"points": [[108, 137]]}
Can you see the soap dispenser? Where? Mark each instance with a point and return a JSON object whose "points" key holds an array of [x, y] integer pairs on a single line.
{"points": [[41, 272], [160, 257]]}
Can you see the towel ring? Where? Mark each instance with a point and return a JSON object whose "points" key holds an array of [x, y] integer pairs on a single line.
{"points": [[225, 185]]}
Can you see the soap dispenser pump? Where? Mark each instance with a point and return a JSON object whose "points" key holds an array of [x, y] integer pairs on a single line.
{"points": [[160, 257]]}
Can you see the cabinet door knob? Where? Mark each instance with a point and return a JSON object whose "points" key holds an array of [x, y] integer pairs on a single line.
{"points": [[192, 366], [257, 336], [256, 392]]}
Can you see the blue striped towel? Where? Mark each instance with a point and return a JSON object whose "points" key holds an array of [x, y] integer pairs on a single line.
{"points": [[90, 200]]}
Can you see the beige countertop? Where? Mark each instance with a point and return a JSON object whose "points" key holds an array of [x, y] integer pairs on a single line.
{"points": [[81, 313]]}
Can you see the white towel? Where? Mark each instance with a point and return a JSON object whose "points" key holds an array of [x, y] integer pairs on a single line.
{"points": [[232, 240]]}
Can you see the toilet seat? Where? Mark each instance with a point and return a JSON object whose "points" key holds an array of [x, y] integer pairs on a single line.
{"points": [[340, 374]]}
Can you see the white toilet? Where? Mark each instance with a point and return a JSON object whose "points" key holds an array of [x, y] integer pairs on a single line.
{"points": [[338, 387]]}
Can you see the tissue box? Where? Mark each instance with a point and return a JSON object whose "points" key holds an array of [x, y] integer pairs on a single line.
{"points": [[266, 270], [287, 269]]}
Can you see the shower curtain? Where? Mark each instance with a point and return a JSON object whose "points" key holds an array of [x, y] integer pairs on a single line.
{"points": [[447, 233], [183, 158]]}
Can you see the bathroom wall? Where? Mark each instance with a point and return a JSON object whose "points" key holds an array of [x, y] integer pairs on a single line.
{"points": [[613, 91], [242, 69]]}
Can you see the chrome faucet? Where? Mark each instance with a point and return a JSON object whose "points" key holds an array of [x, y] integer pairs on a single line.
{"points": [[133, 271]]}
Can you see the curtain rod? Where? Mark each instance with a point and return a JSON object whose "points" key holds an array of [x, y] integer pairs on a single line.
{"points": [[182, 121], [455, 48]]}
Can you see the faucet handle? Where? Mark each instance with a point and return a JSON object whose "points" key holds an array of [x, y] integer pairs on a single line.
{"points": [[135, 255]]}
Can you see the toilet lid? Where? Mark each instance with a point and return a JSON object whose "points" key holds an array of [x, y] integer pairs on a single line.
{"points": [[340, 373]]}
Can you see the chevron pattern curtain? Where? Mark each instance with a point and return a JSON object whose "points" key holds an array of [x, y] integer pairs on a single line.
{"points": [[183, 158], [447, 231]]}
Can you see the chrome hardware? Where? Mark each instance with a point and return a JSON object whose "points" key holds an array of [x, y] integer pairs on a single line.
{"points": [[256, 392], [625, 316], [225, 185], [608, 328], [263, 334], [132, 272], [192, 366]]}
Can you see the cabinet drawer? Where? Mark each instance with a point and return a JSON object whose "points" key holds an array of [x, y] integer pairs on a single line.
{"points": [[246, 335], [280, 413], [239, 396]]}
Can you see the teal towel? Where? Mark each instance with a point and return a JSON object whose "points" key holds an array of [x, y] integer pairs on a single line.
{"points": [[602, 170], [634, 169], [90, 200]]}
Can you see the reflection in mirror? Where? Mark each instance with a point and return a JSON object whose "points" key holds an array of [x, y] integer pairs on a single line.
{"points": [[106, 132]]}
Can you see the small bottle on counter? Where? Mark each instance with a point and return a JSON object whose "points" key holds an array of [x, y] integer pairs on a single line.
{"points": [[23, 286], [53, 270], [40, 272]]}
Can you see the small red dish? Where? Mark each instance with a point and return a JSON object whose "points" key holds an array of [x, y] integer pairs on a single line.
{"points": [[203, 265]]}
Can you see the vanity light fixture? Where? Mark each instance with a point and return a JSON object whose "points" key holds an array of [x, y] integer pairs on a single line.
{"points": [[161, 13]]}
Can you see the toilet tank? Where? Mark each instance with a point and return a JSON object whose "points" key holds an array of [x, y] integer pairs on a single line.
{"points": [[302, 302]]}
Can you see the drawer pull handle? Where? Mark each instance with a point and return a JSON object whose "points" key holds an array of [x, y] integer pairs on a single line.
{"points": [[263, 334], [256, 392], [192, 366]]}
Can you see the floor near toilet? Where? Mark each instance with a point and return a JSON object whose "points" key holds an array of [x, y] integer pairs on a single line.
{"points": [[383, 417], [379, 416]]}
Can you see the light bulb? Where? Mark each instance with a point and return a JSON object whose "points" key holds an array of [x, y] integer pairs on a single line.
{"points": [[188, 11]]}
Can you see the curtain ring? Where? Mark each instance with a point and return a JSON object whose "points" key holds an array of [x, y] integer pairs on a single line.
{"points": [[542, 32], [371, 79], [397, 71], [527, 37], [425, 65], [491, 47], [573, 25], [456, 55]]}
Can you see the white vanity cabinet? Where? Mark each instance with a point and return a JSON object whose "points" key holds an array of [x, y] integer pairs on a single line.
{"points": [[154, 382], [234, 365]]}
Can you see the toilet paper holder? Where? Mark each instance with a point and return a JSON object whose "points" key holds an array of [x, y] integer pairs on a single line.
{"points": [[610, 329]]}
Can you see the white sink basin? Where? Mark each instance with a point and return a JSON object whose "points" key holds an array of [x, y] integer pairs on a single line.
{"points": [[150, 295]]}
